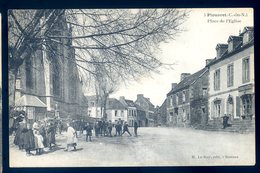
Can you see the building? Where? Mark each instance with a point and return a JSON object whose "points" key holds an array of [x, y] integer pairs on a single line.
{"points": [[162, 114], [231, 79], [94, 107], [148, 107], [131, 110], [50, 76], [116, 110], [187, 101]]}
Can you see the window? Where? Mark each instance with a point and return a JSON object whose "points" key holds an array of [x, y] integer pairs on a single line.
{"points": [[177, 99], [191, 92], [246, 105], [217, 80], [122, 113], [171, 116], [29, 73], [203, 109], [183, 96], [115, 113], [171, 101], [230, 75], [245, 70], [204, 92], [56, 76], [217, 108]]}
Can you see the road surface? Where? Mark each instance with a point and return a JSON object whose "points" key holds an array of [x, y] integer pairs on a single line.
{"points": [[157, 146]]}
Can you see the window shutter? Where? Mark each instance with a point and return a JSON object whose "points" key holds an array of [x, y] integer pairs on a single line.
{"points": [[222, 108], [212, 110], [237, 106], [253, 104]]}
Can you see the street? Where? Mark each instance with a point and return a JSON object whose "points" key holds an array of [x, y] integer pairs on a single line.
{"points": [[155, 146]]}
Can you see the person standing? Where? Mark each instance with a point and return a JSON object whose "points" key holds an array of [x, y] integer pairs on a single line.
{"points": [[38, 143], [18, 139], [109, 127], [135, 128], [118, 129], [71, 138], [96, 129], [88, 129], [125, 129], [51, 135], [28, 139]]}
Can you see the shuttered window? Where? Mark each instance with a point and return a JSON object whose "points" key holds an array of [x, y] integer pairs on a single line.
{"points": [[230, 75], [217, 80], [245, 70]]}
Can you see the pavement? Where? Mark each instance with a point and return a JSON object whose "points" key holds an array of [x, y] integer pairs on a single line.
{"points": [[154, 146]]}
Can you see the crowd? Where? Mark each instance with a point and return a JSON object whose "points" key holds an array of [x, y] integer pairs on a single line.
{"points": [[42, 133]]}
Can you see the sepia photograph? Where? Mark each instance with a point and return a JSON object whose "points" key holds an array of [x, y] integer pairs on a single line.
{"points": [[131, 87]]}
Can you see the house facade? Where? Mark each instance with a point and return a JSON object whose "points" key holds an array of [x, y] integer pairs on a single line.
{"points": [[148, 107], [52, 77], [116, 111], [231, 78], [131, 110], [187, 101], [94, 107]]}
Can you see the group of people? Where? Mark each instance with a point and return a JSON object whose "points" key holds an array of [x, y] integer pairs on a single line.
{"points": [[35, 137], [42, 133], [105, 128]]}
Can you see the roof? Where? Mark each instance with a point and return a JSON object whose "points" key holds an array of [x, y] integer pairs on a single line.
{"points": [[237, 49], [113, 103], [93, 98], [130, 103], [187, 81], [151, 106], [139, 107], [29, 101], [247, 28]]}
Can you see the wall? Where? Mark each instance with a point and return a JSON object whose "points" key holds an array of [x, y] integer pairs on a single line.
{"points": [[225, 91], [199, 100]]}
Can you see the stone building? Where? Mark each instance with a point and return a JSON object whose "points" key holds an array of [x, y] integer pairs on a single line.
{"points": [[131, 110], [51, 76], [162, 114], [148, 107], [116, 111], [187, 101], [231, 79]]}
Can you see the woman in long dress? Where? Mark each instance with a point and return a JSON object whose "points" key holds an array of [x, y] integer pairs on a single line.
{"points": [[28, 140], [71, 138]]}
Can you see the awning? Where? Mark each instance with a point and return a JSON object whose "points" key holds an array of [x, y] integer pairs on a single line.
{"points": [[29, 101]]}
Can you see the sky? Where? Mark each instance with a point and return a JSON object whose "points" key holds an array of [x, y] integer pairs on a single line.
{"points": [[204, 29]]}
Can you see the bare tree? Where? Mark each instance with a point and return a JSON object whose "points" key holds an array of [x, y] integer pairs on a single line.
{"points": [[121, 41]]}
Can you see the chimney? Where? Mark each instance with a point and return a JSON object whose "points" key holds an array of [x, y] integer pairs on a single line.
{"points": [[221, 48], [122, 98], [247, 34], [233, 42], [208, 61], [184, 75], [174, 85], [140, 95]]}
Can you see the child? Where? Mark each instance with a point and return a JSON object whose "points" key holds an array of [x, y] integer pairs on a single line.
{"points": [[38, 143]]}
